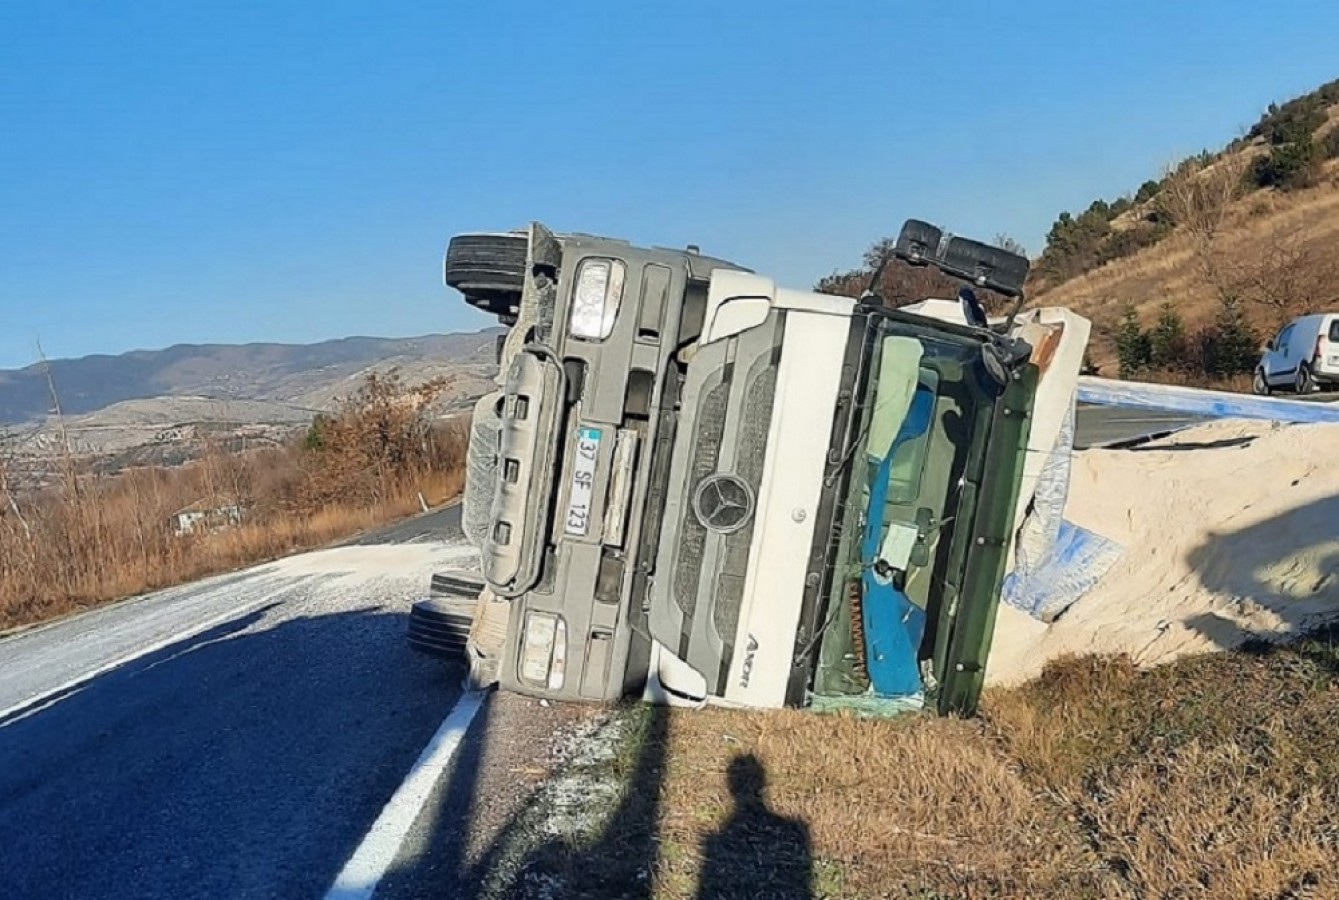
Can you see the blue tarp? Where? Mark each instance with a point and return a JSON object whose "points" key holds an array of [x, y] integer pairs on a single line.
{"points": [[1199, 402], [1055, 561], [1073, 563]]}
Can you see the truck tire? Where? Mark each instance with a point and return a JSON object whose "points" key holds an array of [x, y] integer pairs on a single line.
{"points": [[462, 585], [489, 269], [440, 627]]}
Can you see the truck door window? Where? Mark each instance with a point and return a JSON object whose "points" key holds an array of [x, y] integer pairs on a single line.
{"points": [[904, 476]]}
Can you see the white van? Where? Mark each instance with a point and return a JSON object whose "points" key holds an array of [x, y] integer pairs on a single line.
{"points": [[1303, 356]]}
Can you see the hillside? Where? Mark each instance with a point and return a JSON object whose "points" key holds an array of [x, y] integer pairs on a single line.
{"points": [[1281, 247], [1256, 224], [166, 407], [1193, 269], [305, 376]]}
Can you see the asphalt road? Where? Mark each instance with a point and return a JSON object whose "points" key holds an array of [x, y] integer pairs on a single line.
{"points": [[1096, 426], [439, 525], [246, 754]]}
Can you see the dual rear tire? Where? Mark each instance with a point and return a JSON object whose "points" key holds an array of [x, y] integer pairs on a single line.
{"points": [[440, 624]]}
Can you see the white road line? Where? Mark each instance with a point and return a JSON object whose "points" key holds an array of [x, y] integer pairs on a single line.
{"points": [[52, 696], [359, 878]]}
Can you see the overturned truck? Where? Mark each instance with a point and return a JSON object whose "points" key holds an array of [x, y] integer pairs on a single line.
{"points": [[696, 486]]}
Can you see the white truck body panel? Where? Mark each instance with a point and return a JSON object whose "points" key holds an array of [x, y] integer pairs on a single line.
{"points": [[806, 391]]}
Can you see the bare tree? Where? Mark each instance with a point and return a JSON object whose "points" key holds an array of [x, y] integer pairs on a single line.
{"points": [[1286, 275], [1197, 197]]}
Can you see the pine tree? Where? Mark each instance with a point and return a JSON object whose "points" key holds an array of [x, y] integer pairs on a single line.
{"points": [[1167, 342], [1132, 344], [1238, 344]]}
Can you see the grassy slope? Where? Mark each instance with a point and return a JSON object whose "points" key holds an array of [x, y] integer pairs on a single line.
{"points": [[1217, 776], [1166, 271]]}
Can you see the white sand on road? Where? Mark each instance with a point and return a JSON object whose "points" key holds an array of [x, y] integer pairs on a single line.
{"points": [[50, 659], [371, 562], [1230, 530]]}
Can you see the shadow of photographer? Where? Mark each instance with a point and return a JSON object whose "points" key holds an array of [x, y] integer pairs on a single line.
{"points": [[756, 852]]}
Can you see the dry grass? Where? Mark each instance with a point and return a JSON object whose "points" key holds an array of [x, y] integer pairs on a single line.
{"points": [[96, 539], [893, 808], [1217, 776], [1240, 384]]}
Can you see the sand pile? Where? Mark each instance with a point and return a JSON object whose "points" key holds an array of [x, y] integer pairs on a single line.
{"points": [[1230, 531]]}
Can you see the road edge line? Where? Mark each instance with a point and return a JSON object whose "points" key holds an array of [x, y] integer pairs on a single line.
{"points": [[369, 863]]}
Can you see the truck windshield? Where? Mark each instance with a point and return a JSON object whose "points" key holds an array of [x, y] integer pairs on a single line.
{"points": [[924, 388]]}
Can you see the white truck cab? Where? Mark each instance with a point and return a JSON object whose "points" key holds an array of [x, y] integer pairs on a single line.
{"points": [[706, 488]]}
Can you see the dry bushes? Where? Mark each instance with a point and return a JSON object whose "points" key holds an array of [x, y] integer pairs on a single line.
{"points": [[94, 539], [900, 283], [377, 444]]}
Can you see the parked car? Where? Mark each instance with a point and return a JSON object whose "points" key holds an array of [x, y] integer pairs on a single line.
{"points": [[1302, 357]]}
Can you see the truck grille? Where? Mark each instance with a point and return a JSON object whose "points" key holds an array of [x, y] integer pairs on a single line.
{"points": [[692, 534], [749, 459]]}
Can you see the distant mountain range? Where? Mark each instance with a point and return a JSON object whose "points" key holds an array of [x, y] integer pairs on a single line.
{"points": [[160, 407], [302, 377]]}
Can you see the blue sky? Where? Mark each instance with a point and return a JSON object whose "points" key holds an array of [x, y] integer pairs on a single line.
{"points": [[194, 172]]}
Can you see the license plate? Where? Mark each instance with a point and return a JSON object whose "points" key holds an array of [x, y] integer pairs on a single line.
{"points": [[582, 488]]}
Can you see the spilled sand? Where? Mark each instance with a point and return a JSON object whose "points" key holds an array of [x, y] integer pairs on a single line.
{"points": [[1230, 532]]}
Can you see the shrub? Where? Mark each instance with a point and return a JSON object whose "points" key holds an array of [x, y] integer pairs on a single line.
{"points": [[1289, 166], [1147, 191], [1134, 351], [1330, 144], [1167, 341], [1237, 342]]}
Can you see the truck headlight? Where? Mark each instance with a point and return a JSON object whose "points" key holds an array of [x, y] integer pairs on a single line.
{"points": [[595, 300], [544, 650]]}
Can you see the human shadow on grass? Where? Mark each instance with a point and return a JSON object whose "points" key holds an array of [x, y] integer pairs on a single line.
{"points": [[756, 852]]}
